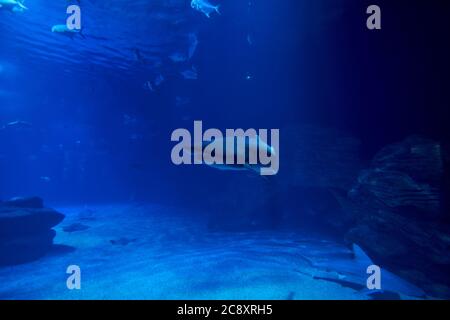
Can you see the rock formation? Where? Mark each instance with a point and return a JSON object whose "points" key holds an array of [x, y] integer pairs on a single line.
{"points": [[26, 232], [398, 215]]}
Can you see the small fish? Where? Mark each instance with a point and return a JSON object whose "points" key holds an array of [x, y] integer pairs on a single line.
{"points": [[193, 43], [249, 39], [45, 179], [190, 74], [17, 125], [178, 57], [12, 5], [129, 120], [149, 86], [63, 30], [159, 80], [205, 6]]}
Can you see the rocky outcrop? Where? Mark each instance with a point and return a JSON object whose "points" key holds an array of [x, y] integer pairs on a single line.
{"points": [[397, 192], [26, 230], [398, 215], [20, 202], [405, 178]]}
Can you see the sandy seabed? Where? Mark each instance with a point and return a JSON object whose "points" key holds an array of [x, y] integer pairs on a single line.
{"points": [[157, 252]]}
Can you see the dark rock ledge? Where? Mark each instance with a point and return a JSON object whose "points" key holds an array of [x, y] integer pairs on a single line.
{"points": [[26, 232]]}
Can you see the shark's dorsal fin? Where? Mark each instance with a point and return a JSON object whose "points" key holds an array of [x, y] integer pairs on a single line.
{"points": [[361, 256]]}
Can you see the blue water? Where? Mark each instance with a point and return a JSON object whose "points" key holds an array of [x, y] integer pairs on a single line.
{"points": [[99, 110]]}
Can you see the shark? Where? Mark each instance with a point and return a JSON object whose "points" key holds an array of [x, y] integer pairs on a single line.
{"points": [[193, 43], [251, 146], [205, 6], [190, 74], [65, 31], [12, 5], [19, 124], [352, 273]]}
